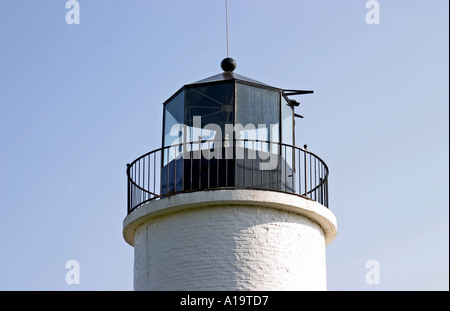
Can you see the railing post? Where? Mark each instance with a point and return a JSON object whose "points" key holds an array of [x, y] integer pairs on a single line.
{"points": [[306, 172], [175, 168], [128, 189], [321, 190], [200, 162]]}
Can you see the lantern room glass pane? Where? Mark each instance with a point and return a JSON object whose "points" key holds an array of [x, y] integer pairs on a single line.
{"points": [[208, 109], [171, 171], [257, 121], [287, 122], [257, 113], [287, 153], [173, 120]]}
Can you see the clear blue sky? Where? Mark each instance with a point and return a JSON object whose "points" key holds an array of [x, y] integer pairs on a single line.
{"points": [[78, 102]]}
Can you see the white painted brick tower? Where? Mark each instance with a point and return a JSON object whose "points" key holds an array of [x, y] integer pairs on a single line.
{"points": [[229, 202]]}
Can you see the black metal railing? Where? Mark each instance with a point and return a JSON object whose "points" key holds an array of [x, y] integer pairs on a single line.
{"points": [[226, 164]]}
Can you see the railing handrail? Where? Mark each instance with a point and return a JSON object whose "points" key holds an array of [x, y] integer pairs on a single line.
{"points": [[134, 185]]}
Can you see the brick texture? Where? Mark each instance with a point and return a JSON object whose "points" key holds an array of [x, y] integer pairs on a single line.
{"points": [[230, 248]]}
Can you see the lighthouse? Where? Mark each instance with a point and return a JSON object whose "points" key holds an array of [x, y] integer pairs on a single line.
{"points": [[229, 202]]}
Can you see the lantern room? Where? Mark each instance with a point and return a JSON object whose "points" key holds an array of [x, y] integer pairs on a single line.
{"points": [[228, 131]]}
